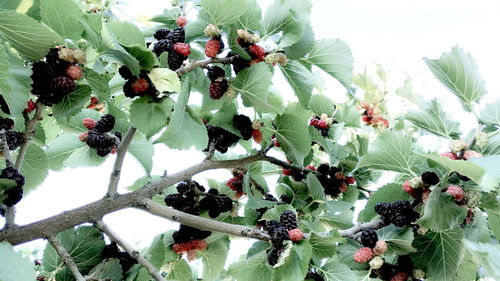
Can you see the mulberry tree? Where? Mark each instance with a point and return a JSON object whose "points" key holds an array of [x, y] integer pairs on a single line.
{"points": [[78, 86]]}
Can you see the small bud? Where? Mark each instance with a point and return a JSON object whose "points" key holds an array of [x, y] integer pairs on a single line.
{"points": [[230, 93], [458, 145], [256, 125], [380, 248], [66, 54], [418, 274], [417, 182], [422, 230], [324, 116], [212, 31], [376, 262], [481, 140]]}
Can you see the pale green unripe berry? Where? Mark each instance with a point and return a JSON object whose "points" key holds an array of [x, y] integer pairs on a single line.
{"points": [[419, 274], [376, 262], [458, 145]]}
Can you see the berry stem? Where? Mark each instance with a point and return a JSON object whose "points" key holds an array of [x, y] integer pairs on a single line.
{"points": [[129, 249], [121, 150], [65, 256], [29, 132]]}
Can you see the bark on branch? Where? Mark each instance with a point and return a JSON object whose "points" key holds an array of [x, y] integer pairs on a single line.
{"points": [[120, 156], [133, 253]]}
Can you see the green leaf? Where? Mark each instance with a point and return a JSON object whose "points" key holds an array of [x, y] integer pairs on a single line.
{"points": [[149, 116], [296, 264], [487, 255], [9, 4], [180, 271], [293, 136], [289, 17], [126, 33], [185, 128], [92, 25], [145, 57], [155, 253], [348, 115], [15, 266], [441, 212], [72, 103], [110, 270], [35, 167], [316, 190], [466, 168], [84, 157], [491, 179], [346, 251], [398, 239], [391, 151], [143, 151], [324, 246], [124, 58], [61, 148], [253, 84], [98, 83], [62, 17], [255, 268], [388, 193], [29, 37], [300, 79], [335, 58], [214, 258], [320, 104], [490, 115], [435, 121], [168, 17], [14, 81], [494, 222], [440, 252], [165, 80], [458, 71], [250, 20], [83, 244], [303, 46], [224, 12], [334, 270]]}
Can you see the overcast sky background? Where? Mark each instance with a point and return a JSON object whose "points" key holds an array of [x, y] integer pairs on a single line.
{"points": [[397, 34]]}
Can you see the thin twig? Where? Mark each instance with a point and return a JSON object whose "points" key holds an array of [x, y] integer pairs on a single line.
{"points": [[202, 223], [29, 132], [66, 258], [133, 253], [286, 165], [471, 141], [351, 232], [120, 156], [203, 63]]}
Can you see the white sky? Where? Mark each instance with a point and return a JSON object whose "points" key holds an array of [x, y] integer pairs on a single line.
{"points": [[394, 33]]}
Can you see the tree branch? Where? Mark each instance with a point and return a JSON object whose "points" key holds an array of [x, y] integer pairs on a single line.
{"points": [[351, 232], [97, 209], [29, 132], [120, 155], [133, 253], [286, 165], [202, 223], [67, 259], [203, 63]]}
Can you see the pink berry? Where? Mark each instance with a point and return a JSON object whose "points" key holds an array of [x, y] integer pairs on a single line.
{"points": [[456, 192], [30, 107], [400, 276], [74, 72], [363, 255], [181, 21], [287, 172], [343, 186], [450, 155], [322, 124], [212, 47], [182, 48], [351, 180], [295, 234], [83, 136], [311, 167], [313, 122], [140, 85], [89, 123], [380, 248], [258, 51]]}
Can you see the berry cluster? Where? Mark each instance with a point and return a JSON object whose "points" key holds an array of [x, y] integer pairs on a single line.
{"points": [[99, 136], [12, 195], [261, 211], [247, 42], [185, 200], [236, 184], [218, 82], [54, 78], [220, 138], [14, 139], [216, 203], [401, 271], [173, 43], [419, 187], [296, 175], [214, 45], [244, 125], [333, 180], [137, 86], [322, 123], [285, 229], [256, 133], [372, 246], [189, 239], [400, 213], [371, 117], [126, 261]]}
